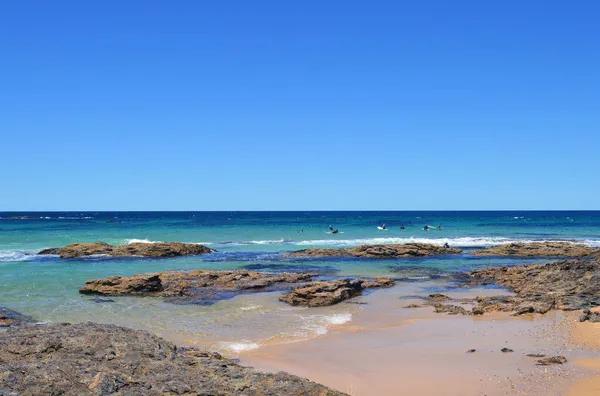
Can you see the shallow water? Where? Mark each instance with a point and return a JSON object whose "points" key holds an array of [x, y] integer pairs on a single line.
{"points": [[46, 288]]}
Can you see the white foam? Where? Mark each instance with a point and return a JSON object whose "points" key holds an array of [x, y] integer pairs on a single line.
{"points": [[459, 242], [250, 307], [319, 324], [240, 346], [339, 319], [15, 256], [129, 241]]}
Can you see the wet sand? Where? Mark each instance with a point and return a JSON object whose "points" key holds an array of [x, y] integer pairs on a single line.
{"points": [[587, 335], [389, 350]]}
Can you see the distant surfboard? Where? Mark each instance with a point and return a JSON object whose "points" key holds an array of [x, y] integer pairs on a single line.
{"points": [[382, 229]]}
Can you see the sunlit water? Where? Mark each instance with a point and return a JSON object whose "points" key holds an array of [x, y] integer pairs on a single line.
{"points": [[46, 288]]}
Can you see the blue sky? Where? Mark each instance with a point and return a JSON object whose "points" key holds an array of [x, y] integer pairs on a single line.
{"points": [[274, 105]]}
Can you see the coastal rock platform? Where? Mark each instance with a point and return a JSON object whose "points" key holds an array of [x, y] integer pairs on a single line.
{"points": [[194, 283], [100, 359], [155, 249], [385, 251], [540, 249]]}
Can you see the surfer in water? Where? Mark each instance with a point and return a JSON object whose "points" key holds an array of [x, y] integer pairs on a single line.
{"points": [[383, 227], [426, 228], [446, 245], [330, 228], [402, 227], [335, 232], [439, 227]]}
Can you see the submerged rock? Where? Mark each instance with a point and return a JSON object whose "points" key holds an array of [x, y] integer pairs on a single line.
{"points": [[539, 249], [204, 283], [97, 359], [320, 294], [379, 251], [155, 249]]}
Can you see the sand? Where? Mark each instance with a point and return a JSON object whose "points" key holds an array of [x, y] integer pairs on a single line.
{"points": [[390, 350]]}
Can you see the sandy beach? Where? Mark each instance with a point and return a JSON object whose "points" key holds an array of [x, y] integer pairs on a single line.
{"points": [[388, 349]]}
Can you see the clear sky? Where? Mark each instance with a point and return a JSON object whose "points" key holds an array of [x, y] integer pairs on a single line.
{"points": [[274, 105]]}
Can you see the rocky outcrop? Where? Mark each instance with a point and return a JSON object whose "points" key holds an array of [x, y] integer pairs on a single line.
{"points": [[379, 251], [589, 316], [194, 283], [10, 318], [156, 249], [540, 249], [566, 284], [96, 359], [320, 294]]}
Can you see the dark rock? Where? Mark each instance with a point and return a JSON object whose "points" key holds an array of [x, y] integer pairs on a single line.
{"points": [[203, 283], [10, 318], [413, 306], [379, 251], [536, 355], [378, 282], [539, 249], [552, 360], [471, 350], [506, 350], [94, 359], [590, 316], [451, 309], [156, 249], [566, 284], [437, 297], [320, 294]]}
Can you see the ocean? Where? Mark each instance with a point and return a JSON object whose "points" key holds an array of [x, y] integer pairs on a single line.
{"points": [[46, 288]]}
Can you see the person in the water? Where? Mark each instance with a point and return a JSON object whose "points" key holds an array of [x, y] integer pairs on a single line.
{"points": [[402, 227], [439, 227], [446, 245], [330, 228], [384, 227], [301, 232], [426, 228], [335, 231]]}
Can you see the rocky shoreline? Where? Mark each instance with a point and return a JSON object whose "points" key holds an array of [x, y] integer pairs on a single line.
{"points": [[101, 359], [540, 249], [154, 249], [379, 251]]}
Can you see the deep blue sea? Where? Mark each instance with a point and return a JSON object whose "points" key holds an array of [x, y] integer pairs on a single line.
{"points": [[46, 288]]}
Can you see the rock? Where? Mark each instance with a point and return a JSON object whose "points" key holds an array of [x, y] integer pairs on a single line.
{"points": [[539, 249], [566, 284], [413, 306], [451, 309], [379, 251], [552, 360], [437, 297], [506, 350], [517, 305], [156, 249], [378, 282], [536, 355], [590, 316], [471, 350], [10, 318], [320, 294], [195, 283], [96, 359]]}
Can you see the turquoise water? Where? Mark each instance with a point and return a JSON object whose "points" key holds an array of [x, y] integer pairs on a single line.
{"points": [[46, 288]]}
